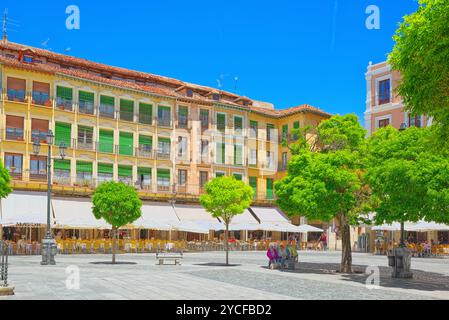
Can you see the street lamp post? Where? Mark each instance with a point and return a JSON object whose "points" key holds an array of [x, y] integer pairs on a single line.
{"points": [[49, 247]]}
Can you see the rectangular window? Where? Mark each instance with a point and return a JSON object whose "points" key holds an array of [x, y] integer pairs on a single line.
{"points": [[383, 123], [16, 89], [270, 194], [182, 147], [204, 151], [107, 107], [414, 121], [144, 177], [86, 102], [182, 177], [14, 127], [270, 132], [85, 138], [61, 171], [105, 172], [84, 172], [296, 126], [183, 117], [253, 128], [285, 132], [221, 153], [284, 160], [238, 155], [270, 159], [163, 179], [64, 98], [163, 147], [125, 174], [145, 145], [219, 174], [126, 110], [63, 133], [204, 177], [38, 168], [164, 116], [13, 163], [221, 122], [145, 113], [253, 184], [39, 130], [238, 176], [253, 157], [41, 93], [204, 119], [384, 91], [106, 143], [126, 144], [238, 125]]}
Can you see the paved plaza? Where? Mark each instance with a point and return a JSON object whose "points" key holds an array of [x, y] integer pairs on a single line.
{"points": [[199, 279]]}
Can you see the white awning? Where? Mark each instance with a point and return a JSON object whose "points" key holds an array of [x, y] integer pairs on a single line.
{"points": [[157, 216], [272, 219], [191, 226], [305, 228], [24, 208], [395, 226], [73, 213], [424, 226]]}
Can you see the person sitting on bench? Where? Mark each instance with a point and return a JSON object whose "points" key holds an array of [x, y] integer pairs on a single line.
{"points": [[293, 254], [272, 255], [283, 255]]}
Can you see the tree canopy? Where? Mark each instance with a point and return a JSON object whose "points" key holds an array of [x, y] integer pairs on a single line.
{"points": [[116, 203], [327, 183], [410, 181], [5, 180], [421, 54]]}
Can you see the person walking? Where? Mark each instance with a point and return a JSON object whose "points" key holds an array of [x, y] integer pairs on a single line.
{"points": [[323, 241]]}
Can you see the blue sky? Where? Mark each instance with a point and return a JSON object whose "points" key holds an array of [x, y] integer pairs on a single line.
{"points": [[287, 52]]}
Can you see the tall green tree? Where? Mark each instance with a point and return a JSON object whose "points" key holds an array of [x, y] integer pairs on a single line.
{"points": [[409, 179], [118, 204], [224, 198], [324, 179], [421, 54]]}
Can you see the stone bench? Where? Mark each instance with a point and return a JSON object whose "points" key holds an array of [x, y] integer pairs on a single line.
{"points": [[163, 257]]}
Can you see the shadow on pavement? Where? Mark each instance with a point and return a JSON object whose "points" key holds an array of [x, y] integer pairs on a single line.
{"points": [[422, 280], [212, 264]]}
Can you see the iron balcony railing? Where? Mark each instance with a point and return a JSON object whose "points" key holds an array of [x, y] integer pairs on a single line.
{"points": [[85, 145], [40, 135], [145, 151], [163, 155], [41, 98], [107, 111], [145, 119], [64, 104], [163, 122], [14, 134], [16, 95], [125, 150], [126, 116], [86, 107]]}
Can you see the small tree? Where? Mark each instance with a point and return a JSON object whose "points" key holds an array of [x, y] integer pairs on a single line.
{"points": [[5, 180], [225, 198], [324, 178], [118, 204], [409, 179]]}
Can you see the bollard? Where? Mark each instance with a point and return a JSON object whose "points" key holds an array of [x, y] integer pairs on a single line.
{"points": [[5, 289]]}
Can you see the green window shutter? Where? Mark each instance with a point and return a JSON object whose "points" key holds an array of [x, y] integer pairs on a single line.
{"points": [[296, 125], [163, 173], [65, 93], [105, 168], [61, 165], [106, 141], [219, 174], [145, 140], [82, 166], [86, 129], [221, 122], [63, 132], [162, 109], [238, 176], [86, 96], [221, 152], [253, 184], [126, 105], [183, 111], [164, 140], [269, 188], [238, 155], [126, 143], [110, 101], [144, 171], [253, 124], [285, 130], [145, 108], [238, 123], [125, 171]]}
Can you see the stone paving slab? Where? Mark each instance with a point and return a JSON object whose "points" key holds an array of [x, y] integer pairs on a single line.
{"points": [[194, 280]]}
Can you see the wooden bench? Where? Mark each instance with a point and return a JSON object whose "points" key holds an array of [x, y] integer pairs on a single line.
{"points": [[162, 257]]}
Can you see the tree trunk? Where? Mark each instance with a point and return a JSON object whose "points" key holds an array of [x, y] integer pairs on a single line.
{"points": [[114, 234], [346, 253], [227, 243]]}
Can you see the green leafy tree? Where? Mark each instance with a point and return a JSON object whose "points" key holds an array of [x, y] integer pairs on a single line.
{"points": [[409, 179], [225, 198], [5, 180], [324, 179], [421, 54], [118, 204]]}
